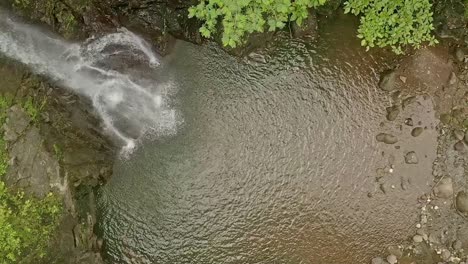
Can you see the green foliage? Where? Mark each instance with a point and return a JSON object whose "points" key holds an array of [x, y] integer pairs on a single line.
{"points": [[393, 23], [239, 17], [466, 9], [26, 223], [384, 23]]}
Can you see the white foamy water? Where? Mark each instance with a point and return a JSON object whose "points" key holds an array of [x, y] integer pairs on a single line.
{"points": [[130, 106]]}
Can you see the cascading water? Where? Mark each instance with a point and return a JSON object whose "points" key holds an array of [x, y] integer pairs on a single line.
{"points": [[129, 106]]}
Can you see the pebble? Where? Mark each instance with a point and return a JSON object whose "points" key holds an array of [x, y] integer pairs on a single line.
{"points": [[423, 219], [409, 122], [462, 202], [460, 55], [459, 146], [392, 259], [418, 225], [417, 239], [387, 81], [394, 250], [392, 113], [411, 158], [453, 79], [458, 134], [444, 189], [386, 138], [445, 254], [408, 101], [417, 131], [377, 261], [403, 78], [457, 245]]}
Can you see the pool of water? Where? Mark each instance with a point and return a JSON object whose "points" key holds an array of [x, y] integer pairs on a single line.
{"points": [[276, 161]]}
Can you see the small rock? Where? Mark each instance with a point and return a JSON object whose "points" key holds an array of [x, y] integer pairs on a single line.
{"points": [[392, 113], [409, 122], [383, 188], [445, 254], [417, 239], [386, 138], [453, 79], [394, 250], [403, 79], [380, 137], [387, 81], [459, 146], [377, 260], [458, 134], [390, 139], [462, 202], [444, 189], [408, 101], [460, 55], [445, 118], [417, 131], [457, 245], [411, 158], [392, 259], [466, 137]]}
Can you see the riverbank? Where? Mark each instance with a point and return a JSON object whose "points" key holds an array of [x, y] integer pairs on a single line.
{"points": [[66, 123]]}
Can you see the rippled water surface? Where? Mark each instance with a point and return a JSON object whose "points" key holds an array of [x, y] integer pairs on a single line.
{"points": [[276, 162]]}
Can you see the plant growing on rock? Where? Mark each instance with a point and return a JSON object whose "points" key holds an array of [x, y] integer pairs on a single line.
{"points": [[26, 223], [393, 23], [241, 17]]}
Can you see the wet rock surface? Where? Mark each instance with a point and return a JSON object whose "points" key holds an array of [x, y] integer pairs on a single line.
{"points": [[56, 153]]}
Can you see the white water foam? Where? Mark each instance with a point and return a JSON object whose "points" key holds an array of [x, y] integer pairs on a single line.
{"points": [[129, 109]]}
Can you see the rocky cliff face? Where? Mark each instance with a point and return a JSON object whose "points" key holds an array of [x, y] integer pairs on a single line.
{"points": [[57, 149]]}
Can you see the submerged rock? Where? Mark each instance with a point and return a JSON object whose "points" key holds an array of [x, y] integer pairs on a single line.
{"points": [[444, 189], [386, 138], [418, 239], [417, 131], [462, 202], [408, 101], [378, 260], [409, 122], [387, 81], [392, 259], [459, 146], [466, 137], [411, 158], [457, 245], [458, 134], [392, 113]]}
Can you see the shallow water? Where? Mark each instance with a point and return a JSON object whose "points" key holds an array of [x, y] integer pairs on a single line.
{"points": [[276, 162]]}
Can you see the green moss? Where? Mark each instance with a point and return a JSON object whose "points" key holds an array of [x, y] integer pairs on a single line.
{"points": [[26, 223], [64, 16], [33, 109], [58, 152]]}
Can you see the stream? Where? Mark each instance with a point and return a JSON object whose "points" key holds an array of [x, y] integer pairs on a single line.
{"points": [[275, 162]]}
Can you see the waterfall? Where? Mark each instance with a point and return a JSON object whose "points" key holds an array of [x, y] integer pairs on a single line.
{"points": [[129, 105]]}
